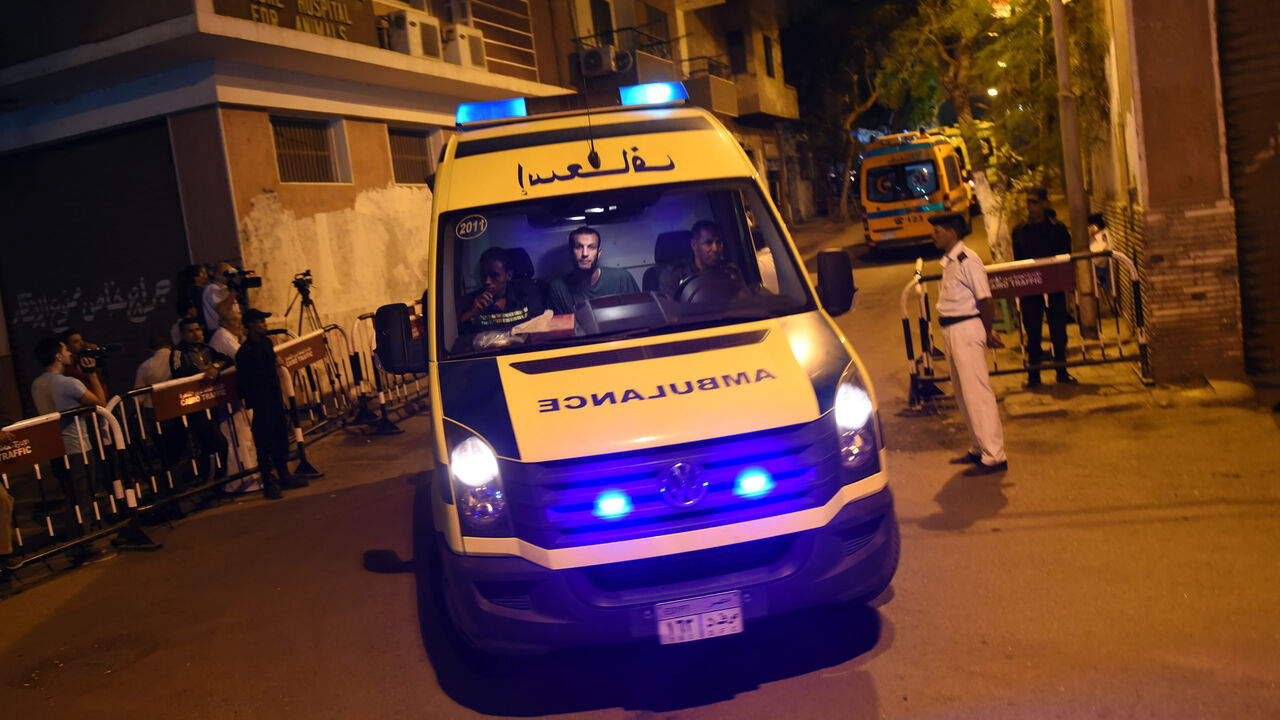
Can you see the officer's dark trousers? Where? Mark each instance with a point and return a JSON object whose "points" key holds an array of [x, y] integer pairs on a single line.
{"points": [[211, 442], [1033, 312], [271, 438]]}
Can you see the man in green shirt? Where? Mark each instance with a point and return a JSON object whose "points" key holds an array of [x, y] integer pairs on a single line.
{"points": [[587, 280]]}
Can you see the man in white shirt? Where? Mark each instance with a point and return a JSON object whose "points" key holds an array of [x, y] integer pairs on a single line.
{"points": [[967, 316], [217, 295]]}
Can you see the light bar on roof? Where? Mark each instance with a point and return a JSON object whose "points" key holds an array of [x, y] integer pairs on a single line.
{"points": [[658, 93], [492, 110]]}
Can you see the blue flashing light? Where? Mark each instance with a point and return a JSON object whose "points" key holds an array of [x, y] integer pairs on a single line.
{"points": [[753, 482], [612, 505], [658, 93], [492, 110]]}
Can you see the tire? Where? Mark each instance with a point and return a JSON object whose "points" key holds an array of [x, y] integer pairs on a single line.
{"points": [[895, 553]]}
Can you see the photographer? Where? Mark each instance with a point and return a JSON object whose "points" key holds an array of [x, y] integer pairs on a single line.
{"points": [[216, 295], [83, 364], [192, 357]]}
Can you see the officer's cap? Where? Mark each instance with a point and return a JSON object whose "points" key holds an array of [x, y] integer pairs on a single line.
{"points": [[255, 314], [952, 220]]}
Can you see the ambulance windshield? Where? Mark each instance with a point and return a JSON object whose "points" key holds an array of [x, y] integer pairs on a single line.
{"points": [[592, 267], [907, 181]]}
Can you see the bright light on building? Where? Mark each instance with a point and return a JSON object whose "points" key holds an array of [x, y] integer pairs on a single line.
{"points": [[1002, 63], [993, 92]]}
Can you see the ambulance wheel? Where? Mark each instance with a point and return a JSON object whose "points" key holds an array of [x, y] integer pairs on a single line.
{"points": [[717, 284]]}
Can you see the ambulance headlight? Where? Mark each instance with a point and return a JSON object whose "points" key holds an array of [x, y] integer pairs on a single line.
{"points": [[478, 485], [855, 424]]}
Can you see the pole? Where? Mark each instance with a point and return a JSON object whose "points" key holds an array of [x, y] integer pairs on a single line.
{"points": [[1073, 175]]}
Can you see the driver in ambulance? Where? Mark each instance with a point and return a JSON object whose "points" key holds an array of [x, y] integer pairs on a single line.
{"points": [[707, 244]]}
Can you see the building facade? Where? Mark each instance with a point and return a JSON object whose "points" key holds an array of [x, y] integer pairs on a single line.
{"points": [[1186, 176], [293, 135]]}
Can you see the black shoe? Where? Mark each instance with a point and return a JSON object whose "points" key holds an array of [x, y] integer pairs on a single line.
{"points": [[1066, 379], [971, 458], [983, 469], [272, 492]]}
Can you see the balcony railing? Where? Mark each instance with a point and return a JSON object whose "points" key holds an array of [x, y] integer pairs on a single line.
{"points": [[629, 38], [706, 65]]}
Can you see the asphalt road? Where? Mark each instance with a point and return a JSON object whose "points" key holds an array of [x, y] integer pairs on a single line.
{"points": [[1124, 568]]}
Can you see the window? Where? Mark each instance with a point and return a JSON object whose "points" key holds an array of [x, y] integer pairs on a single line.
{"points": [[768, 55], [310, 151], [645, 233], [894, 183], [737, 51], [602, 19], [952, 169], [656, 23], [410, 155]]}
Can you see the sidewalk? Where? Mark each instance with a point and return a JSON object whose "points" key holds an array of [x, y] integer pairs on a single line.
{"points": [[1109, 387]]}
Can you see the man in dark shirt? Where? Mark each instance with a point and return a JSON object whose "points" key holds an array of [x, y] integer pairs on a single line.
{"points": [[258, 383], [500, 303], [587, 280], [1043, 236], [189, 358], [707, 244]]}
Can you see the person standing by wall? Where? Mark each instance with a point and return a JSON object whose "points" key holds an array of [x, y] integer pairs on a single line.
{"points": [[967, 316], [54, 392], [258, 384], [192, 357], [235, 427], [1043, 236]]}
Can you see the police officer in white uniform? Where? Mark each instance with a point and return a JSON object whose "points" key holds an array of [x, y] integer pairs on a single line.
{"points": [[967, 316]]}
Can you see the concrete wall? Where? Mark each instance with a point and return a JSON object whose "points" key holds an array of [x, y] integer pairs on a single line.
{"points": [[365, 241], [1162, 184], [204, 185]]}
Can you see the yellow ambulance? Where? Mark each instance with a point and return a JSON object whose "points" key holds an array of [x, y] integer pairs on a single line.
{"points": [[906, 179], [647, 426]]}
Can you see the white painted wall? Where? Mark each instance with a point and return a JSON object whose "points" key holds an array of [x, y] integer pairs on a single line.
{"points": [[362, 257]]}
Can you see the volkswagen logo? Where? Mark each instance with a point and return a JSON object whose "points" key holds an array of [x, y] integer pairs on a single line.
{"points": [[682, 485]]}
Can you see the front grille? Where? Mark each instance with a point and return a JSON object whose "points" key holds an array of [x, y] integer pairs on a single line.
{"points": [[552, 504], [690, 566]]}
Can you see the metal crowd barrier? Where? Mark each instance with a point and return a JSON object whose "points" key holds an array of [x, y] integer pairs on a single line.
{"points": [[109, 503], [142, 455], [392, 392], [1010, 281]]}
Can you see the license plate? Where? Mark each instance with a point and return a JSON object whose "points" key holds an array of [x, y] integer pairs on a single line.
{"points": [[888, 234], [699, 618]]}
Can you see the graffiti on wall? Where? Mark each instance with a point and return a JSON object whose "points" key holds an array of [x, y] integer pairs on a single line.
{"points": [[59, 310]]}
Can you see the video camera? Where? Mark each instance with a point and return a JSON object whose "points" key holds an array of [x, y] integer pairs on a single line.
{"points": [[302, 282], [97, 352], [243, 280]]}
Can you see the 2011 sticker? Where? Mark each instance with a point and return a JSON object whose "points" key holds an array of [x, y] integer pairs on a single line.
{"points": [[471, 227]]}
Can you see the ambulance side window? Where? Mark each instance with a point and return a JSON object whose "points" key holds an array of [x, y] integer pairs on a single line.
{"points": [[953, 171]]}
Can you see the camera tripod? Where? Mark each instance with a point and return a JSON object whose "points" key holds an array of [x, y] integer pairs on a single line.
{"points": [[307, 313]]}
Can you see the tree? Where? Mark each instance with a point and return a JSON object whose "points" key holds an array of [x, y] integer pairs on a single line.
{"points": [[966, 47], [833, 54]]}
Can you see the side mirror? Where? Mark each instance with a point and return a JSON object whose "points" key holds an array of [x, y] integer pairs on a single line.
{"points": [[835, 282], [396, 349]]}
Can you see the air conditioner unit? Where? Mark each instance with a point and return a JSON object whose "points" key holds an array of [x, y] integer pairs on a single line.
{"points": [[600, 60], [464, 46], [414, 32]]}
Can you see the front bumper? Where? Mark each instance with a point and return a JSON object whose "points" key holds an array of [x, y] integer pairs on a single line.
{"points": [[508, 605]]}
